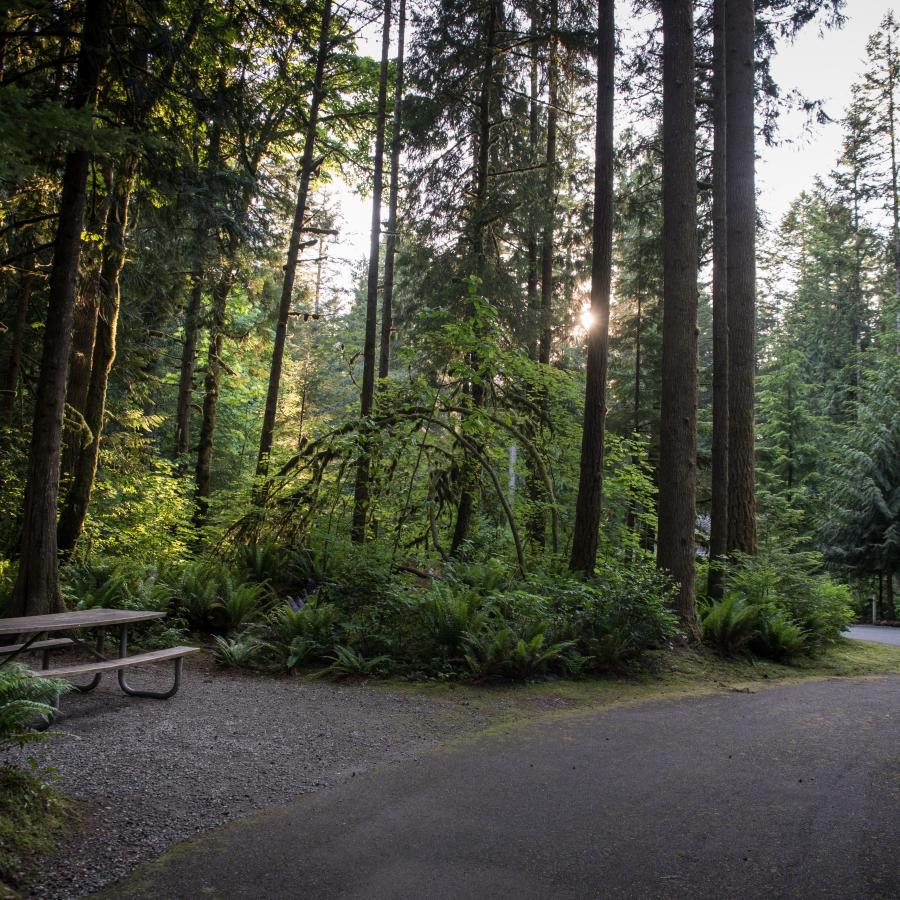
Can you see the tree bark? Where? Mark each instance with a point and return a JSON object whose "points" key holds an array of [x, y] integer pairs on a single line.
{"points": [[895, 173], [741, 269], [718, 535], [547, 237], [390, 252], [84, 332], [74, 511], [36, 589], [590, 482], [188, 362], [678, 413], [194, 306], [531, 291], [466, 506], [211, 383], [307, 166], [367, 395], [71, 520], [890, 610], [537, 520], [533, 487]]}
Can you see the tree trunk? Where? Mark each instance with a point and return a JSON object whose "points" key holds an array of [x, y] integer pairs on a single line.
{"points": [[895, 174], [890, 610], [211, 383], [74, 511], [387, 296], [590, 482], [195, 303], [537, 522], [741, 269], [367, 395], [678, 414], [307, 166], [547, 244], [186, 370], [531, 238], [25, 286], [466, 506], [84, 332], [718, 515], [534, 481], [71, 520], [37, 584], [633, 511]]}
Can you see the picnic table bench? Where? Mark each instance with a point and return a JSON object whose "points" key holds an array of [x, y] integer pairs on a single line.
{"points": [[29, 629]]}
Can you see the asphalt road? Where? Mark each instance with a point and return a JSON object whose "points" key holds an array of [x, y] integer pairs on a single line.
{"points": [[881, 634], [790, 792]]}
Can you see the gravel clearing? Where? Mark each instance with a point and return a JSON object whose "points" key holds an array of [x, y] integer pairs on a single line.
{"points": [[146, 774]]}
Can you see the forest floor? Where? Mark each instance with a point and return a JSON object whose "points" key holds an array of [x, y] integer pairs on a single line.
{"points": [[144, 775]]}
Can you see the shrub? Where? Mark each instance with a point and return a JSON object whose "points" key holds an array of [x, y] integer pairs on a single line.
{"points": [[115, 584], [302, 631], [25, 698], [613, 617], [284, 570], [239, 653], [197, 589], [794, 584], [501, 651], [238, 604], [211, 598], [349, 663], [730, 625], [31, 814], [351, 576], [446, 616], [777, 637]]}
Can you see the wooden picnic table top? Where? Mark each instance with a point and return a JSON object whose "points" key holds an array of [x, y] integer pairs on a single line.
{"points": [[79, 618]]}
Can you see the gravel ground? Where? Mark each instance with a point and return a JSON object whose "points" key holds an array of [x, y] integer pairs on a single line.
{"points": [[146, 774]]}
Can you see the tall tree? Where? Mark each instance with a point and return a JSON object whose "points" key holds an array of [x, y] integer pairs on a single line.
{"points": [[367, 394], [477, 225], [195, 297], [537, 525], [307, 167], [718, 538], [145, 98], [678, 428], [590, 482], [37, 583], [741, 271], [390, 252]]}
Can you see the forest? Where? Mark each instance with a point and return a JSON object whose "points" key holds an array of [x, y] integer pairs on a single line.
{"points": [[580, 399]]}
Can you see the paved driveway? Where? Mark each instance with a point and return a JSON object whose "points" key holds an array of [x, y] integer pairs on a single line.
{"points": [[789, 792], [881, 634]]}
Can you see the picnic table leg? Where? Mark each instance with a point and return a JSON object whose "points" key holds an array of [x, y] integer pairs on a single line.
{"points": [[86, 688], [134, 692]]}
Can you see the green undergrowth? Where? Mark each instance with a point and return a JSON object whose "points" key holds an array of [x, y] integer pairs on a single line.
{"points": [[665, 674], [32, 815]]}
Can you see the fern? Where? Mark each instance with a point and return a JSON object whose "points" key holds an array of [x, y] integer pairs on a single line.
{"points": [[730, 626], [24, 698], [348, 663]]}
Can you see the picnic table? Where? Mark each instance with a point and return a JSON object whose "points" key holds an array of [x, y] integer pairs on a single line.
{"points": [[29, 630]]}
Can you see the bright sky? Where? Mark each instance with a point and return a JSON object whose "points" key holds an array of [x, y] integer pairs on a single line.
{"points": [[820, 66]]}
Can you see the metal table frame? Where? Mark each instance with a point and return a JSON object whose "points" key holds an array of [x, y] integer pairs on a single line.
{"points": [[99, 619]]}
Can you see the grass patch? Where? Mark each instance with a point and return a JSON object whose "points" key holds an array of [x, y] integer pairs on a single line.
{"points": [[665, 674], [31, 816]]}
